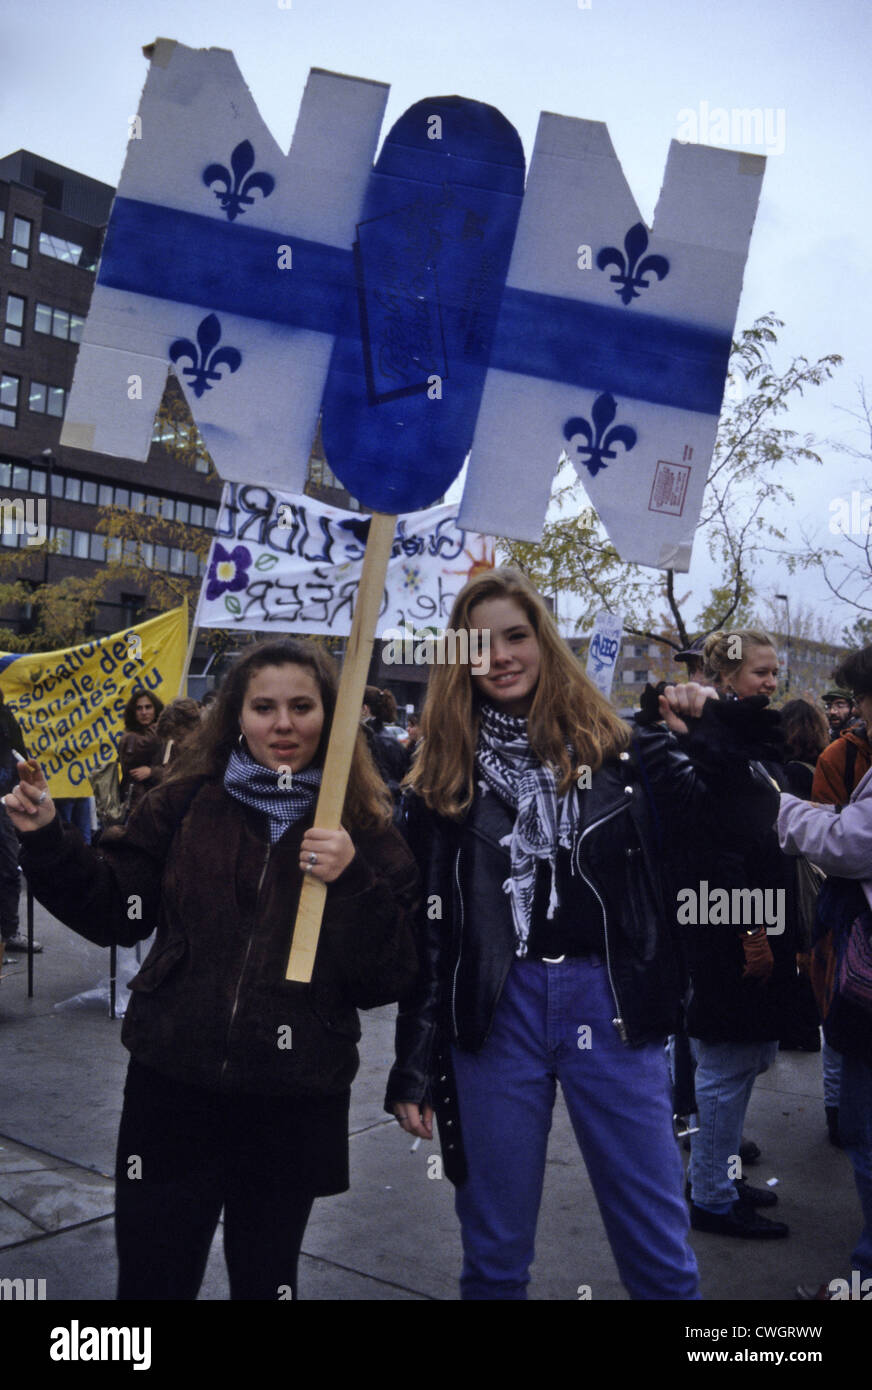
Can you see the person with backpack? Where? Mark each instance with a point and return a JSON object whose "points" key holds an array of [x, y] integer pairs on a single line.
{"points": [[847, 759], [238, 1085], [840, 768], [839, 840]]}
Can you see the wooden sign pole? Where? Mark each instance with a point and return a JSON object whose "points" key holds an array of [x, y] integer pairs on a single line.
{"points": [[346, 723]]}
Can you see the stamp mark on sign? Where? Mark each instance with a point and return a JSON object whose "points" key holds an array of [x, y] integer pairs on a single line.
{"points": [[669, 488]]}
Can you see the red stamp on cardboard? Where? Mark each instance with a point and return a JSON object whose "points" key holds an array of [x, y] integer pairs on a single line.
{"points": [[669, 488]]}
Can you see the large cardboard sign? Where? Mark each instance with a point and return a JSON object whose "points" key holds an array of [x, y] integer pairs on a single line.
{"points": [[431, 255], [613, 342], [228, 259], [405, 299]]}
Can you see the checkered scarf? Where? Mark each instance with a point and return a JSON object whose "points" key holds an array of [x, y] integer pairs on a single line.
{"points": [[544, 821], [258, 786]]}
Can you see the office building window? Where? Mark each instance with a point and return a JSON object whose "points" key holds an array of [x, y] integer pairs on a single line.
{"points": [[81, 541], [62, 250], [98, 546], [131, 607], [47, 400], [21, 233], [2, 222], [64, 539], [9, 400], [89, 491], [12, 333], [60, 323]]}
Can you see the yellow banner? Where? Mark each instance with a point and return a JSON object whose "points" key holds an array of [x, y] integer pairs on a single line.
{"points": [[70, 703]]}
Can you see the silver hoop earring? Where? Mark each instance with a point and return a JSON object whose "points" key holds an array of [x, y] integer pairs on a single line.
{"points": [[241, 740]]}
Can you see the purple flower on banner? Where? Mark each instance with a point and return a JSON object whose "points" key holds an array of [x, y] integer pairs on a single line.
{"points": [[228, 572]]}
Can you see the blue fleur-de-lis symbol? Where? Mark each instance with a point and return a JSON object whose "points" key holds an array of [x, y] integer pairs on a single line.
{"points": [[234, 191], [631, 276], [600, 446], [204, 361]]}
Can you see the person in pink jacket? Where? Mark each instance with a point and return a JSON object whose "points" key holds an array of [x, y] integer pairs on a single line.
{"points": [[840, 843]]}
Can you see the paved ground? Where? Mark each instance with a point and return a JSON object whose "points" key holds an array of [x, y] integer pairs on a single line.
{"points": [[394, 1235]]}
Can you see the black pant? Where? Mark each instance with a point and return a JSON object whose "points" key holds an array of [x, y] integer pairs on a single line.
{"points": [[183, 1154], [10, 878]]}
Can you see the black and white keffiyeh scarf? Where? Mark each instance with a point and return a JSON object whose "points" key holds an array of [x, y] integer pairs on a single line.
{"points": [[258, 786], [508, 766]]}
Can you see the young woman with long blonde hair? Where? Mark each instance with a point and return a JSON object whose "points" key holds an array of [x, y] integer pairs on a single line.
{"points": [[538, 818]]}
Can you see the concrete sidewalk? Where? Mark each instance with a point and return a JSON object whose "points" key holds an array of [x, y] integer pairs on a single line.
{"points": [[394, 1235]]}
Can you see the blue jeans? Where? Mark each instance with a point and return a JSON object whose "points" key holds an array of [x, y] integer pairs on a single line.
{"points": [[855, 1129], [725, 1076], [76, 810], [554, 1023], [832, 1068]]}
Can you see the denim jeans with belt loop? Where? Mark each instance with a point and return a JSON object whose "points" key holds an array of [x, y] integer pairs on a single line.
{"points": [[554, 1023]]}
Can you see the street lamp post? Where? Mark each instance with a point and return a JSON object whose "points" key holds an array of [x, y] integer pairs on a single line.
{"points": [[786, 601], [47, 459]]}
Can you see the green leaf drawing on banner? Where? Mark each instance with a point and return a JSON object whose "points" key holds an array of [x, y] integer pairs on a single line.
{"points": [[266, 562], [231, 602]]}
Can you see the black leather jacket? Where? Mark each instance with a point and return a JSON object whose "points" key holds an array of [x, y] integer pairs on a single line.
{"points": [[653, 794]]}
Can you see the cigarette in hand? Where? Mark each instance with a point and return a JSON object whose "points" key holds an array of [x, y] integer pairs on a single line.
{"points": [[30, 769]]}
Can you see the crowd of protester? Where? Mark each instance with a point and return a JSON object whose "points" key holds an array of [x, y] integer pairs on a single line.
{"points": [[699, 874]]}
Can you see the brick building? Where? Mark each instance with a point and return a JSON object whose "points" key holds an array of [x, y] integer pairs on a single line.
{"points": [[51, 226]]}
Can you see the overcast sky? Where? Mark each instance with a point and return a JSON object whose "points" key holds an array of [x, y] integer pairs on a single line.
{"points": [[71, 72]]}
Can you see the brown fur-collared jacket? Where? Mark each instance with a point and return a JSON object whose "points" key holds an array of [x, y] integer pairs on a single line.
{"points": [[210, 1005]]}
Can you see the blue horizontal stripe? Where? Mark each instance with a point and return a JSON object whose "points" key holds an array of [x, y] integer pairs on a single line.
{"points": [[599, 348], [224, 266], [192, 259]]}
